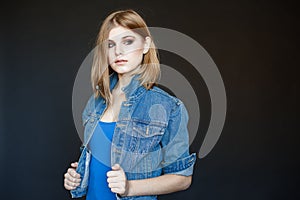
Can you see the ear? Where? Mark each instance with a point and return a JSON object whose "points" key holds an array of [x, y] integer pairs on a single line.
{"points": [[147, 44]]}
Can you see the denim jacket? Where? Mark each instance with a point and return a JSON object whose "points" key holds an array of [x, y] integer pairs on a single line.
{"points": [[150, 137]]}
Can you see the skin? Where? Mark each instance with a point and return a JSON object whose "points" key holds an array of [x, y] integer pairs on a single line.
{"points": [[127, 45]]}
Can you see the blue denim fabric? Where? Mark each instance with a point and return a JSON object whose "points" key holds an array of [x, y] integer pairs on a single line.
{"points": [[83, 170], [150, 137]]}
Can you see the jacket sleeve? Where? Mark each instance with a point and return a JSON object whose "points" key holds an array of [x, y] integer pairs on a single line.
{"points": [[175, 143]]}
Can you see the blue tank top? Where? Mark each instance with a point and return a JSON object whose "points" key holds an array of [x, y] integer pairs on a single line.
{"points": [[100, 145]]}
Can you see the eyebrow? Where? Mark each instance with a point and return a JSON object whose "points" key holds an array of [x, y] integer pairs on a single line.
{"points": [[127, 36]]}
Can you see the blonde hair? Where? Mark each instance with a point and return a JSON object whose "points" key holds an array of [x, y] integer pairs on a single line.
{"points": [[150, 68]]}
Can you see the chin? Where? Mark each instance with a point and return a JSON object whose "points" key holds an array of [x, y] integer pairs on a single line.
{"points": [[119, 70]]}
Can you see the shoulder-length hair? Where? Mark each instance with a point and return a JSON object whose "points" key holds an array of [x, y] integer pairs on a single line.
{"points": [[150, 68]]}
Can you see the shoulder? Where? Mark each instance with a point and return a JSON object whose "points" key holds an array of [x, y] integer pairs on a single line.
{"points": [[162, 95], [92, 103], [176, 106], [157, 96]]}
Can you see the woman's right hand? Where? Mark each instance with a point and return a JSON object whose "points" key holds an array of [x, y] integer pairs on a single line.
{"points": [[72, 179]]}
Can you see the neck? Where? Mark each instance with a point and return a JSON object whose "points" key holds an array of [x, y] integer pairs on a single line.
{"points": [[124, 80]]}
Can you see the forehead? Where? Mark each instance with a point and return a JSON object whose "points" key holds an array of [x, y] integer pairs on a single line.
{"points": [[119, 32]]}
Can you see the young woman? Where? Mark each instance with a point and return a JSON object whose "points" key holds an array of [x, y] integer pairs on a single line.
{"points": [[136, 132]]}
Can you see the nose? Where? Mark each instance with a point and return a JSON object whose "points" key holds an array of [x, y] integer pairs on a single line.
{"points": [[118, 50]]}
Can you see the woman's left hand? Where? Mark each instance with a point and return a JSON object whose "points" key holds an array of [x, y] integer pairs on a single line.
{"points": [[117, 180]]}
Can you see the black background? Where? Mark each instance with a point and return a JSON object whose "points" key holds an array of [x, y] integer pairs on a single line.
{"points": [[254, 44]]}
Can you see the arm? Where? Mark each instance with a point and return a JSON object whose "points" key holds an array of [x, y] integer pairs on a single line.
{"points": [[163, 184], [177, 162]]}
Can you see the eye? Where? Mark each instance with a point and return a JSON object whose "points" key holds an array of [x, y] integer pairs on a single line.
{"points": [[128, 42], [111, 44]]}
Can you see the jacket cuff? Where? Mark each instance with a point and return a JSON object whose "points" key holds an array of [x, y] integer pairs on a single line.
{"points": [[183, 166]]}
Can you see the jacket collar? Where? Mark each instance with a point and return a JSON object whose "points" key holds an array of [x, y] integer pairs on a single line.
{"points": [[132, 90]]}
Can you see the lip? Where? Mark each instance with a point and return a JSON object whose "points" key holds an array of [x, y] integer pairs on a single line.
{"points": [[121, 61]]}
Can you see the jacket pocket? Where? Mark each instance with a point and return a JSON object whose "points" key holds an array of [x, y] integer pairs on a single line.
{"points": [[144, 130], [145, 137]]}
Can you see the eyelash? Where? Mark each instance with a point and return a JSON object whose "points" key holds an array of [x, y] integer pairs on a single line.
{"points": [[126, 42]]}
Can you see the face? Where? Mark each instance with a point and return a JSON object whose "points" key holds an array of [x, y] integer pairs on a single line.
{"points": [[126, 49]]}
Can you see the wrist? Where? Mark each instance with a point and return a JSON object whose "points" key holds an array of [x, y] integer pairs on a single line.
{"points": [[127, 188]]}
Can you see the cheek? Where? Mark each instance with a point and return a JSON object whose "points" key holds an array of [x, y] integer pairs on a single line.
{"points": [[137, 55], [111, 57]]}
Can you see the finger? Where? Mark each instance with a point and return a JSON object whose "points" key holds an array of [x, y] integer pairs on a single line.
{"points": [[117, 190], [117, 179], [114, 185], [74, 164], [113, 173], [111, 180], [71, 178], [69, 185], [116, 167], [73, 173]]}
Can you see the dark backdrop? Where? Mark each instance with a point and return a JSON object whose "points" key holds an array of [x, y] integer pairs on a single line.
{"points": [[253, 43]]}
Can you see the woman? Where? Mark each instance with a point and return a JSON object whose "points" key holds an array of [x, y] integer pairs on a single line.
{"points": [[136, 132]]}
